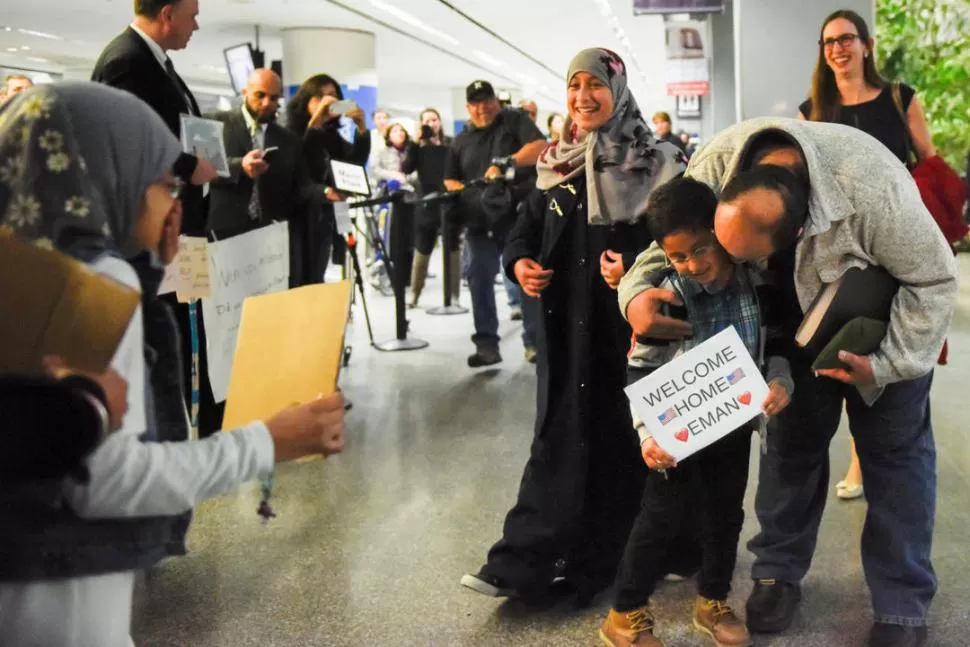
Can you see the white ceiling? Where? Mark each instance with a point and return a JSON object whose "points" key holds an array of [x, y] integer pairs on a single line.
{"points": [[536, 38]]}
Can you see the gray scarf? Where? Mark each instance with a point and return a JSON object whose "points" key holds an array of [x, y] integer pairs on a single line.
{"points": [[75, 162], [622, 161]]}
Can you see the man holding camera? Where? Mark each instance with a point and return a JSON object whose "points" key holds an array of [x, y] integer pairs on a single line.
{"points": [[495, 144]]}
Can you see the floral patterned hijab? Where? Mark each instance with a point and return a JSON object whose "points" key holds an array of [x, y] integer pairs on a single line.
{"points": [[622, 161], [75, 162]]}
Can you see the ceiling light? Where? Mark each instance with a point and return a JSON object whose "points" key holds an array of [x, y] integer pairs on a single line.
{"points": [[491, 60], [37, 59], [8, 28], [39, 34], [404, 16], [24, 48], [12, 49]]}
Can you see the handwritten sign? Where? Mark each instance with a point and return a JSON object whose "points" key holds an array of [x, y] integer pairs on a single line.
{"points": [[350, 178], [254, 263], [700, 397], [188, 274]]}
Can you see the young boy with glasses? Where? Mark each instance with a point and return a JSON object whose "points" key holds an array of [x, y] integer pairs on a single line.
{"points": [[716, 293]]}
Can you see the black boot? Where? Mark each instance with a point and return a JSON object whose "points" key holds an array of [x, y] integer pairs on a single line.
{"points": [[772, 605], [883, 635], [484, 356]]}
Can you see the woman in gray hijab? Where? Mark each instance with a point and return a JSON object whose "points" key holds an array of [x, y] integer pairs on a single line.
{"points": [[582, 483], [85, 169]]}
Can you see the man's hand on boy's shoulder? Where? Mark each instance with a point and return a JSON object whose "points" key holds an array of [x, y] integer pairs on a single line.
{"points": [[645, 317]]}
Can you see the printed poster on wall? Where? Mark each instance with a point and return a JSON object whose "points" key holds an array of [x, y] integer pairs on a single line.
{"points": [[251, 264], [688, 58], [700, 397]]}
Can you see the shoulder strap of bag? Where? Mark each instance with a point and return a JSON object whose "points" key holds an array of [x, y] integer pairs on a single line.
{"points": [[911, 158]]}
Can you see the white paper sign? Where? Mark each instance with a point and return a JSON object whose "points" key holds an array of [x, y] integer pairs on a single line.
{"points": [[188, 274], [350, 178], [701, 396], [254, 263], [203, 138]]}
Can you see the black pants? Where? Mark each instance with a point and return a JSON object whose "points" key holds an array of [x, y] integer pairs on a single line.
{"points": [[715, 478], [428, 226]]}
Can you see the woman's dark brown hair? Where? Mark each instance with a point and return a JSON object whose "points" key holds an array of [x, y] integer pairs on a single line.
{"points": [[297, 108], [826, 100]]}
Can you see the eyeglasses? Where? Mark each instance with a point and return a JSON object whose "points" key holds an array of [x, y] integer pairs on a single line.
{"points": [[698, 254], [844, 41]]}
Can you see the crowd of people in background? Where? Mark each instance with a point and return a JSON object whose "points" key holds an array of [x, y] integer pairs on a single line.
{"points": [[597, 226]]}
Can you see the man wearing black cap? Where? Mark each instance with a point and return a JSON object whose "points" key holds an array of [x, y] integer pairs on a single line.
{"points": [[493, 141]]}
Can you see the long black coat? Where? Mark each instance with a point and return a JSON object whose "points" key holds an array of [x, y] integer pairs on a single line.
{"points": [[582, 484]]}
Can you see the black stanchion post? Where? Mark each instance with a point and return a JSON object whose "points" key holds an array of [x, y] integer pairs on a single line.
{"points": [[399, 232], [448, 308]]}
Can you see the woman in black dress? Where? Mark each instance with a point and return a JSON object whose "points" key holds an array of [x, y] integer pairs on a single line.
{"points": [[308, 115], [580, 488], [848, 89]]}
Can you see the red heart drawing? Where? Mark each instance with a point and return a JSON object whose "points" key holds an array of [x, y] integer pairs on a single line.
{"points": [[681, 435], [745, 398]]}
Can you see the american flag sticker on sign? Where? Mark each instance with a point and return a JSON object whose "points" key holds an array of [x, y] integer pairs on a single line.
{"points": [[735, 377], [667, 416]]}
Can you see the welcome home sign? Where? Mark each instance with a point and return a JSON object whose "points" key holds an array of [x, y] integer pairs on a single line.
{"points": [[701, 396]]}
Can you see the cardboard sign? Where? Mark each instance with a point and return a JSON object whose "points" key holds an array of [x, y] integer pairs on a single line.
{"points": [[350, 178], [188, 274], [55, 305], [701, 396], [251, 264], [290, 349]]}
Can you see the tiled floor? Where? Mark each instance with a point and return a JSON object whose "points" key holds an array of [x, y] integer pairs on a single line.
{"points": [[369, 546]]}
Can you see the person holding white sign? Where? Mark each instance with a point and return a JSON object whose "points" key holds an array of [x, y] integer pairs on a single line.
{"points": [[862, 209], [102, 190], [716, 295]]}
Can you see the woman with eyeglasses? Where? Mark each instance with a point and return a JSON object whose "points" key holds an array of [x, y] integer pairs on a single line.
{"points": [[848, 89]]}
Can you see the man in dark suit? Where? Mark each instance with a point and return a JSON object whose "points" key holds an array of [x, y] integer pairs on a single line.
{"points": [[137, 61], [269, 180]]}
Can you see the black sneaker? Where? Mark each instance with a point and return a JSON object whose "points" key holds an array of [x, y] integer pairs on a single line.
{"points": [[493, 587], [484, 357], [883, 635], [772, 605]]}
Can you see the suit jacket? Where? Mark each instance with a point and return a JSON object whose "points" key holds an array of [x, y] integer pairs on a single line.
{"points": [[285, 191], [127, 63]]}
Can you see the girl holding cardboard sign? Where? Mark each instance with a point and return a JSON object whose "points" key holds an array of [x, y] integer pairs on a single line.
{"points": [[102, 191]]}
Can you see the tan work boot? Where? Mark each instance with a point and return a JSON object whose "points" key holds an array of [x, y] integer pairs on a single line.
{"points": [[633, 629], [718, 620], [419, 273]]}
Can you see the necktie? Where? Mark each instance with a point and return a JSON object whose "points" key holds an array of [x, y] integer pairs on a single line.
{"points": [[170, 70], [255, 209]]}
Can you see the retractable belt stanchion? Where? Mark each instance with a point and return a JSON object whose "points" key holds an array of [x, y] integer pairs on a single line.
{"points": [[398, 253]]}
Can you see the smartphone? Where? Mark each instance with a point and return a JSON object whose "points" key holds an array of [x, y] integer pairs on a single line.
{"points": [[343, 107], [268, 152]]}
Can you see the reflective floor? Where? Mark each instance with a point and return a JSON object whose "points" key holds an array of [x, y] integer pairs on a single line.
{"points": [[369, 546]]}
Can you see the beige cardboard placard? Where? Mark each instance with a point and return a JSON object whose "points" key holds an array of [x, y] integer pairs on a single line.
{"points": [[289, 350], [55, 305]]}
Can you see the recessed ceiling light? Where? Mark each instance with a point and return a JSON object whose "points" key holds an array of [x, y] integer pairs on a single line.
{"points": [[40, 34], [24, 48], [37, 59], [491, 60], [12, 49], [404, 16]]}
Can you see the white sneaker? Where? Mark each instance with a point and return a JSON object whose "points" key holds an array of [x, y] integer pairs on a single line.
{"points": [[847, 491]]}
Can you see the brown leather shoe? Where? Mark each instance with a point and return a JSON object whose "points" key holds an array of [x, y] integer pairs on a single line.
{"points": [[633, 629], [718, 620]]}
